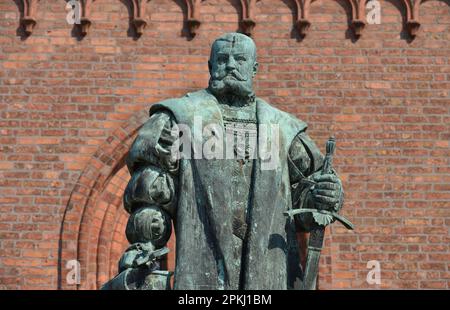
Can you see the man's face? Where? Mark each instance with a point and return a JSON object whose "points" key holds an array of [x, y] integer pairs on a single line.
{"points": [[233, 66]]}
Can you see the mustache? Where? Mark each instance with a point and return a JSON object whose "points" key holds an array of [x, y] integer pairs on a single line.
{"points": [[234, 74]]}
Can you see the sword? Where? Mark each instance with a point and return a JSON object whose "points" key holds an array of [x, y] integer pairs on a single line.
{"points": [[321, 219]]}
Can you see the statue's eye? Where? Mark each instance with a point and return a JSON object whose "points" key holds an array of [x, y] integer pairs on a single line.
{"points": [[221, 59], [241, 59]]}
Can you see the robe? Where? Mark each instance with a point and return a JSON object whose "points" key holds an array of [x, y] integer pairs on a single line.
{"points": [[201, 189]]}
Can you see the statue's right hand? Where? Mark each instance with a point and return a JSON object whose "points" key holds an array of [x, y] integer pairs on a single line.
{"points": [[132, 254]]}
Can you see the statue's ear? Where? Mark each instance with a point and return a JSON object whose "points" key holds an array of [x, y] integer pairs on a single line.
{"points": [[255, 68]]}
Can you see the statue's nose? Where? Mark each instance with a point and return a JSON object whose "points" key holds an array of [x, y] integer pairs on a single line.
{"points": [[231, 64]]}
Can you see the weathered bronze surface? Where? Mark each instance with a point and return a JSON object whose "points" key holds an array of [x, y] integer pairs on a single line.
{"points": [[225, 168]]}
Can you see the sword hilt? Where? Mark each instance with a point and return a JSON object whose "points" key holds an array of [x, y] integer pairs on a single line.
{"points": [[326, 169], [328, 161]]}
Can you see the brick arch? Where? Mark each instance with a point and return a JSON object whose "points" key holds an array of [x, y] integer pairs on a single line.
{"points": [[111, 237], [92, 229]]}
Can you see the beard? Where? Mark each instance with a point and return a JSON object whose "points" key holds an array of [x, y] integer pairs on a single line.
{"points": [[231, 87]]}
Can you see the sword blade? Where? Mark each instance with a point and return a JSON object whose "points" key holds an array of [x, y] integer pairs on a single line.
{"points": [[315, 245]]}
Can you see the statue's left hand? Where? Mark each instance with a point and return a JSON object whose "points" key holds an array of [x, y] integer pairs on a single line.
{"points": [[327, 193]]}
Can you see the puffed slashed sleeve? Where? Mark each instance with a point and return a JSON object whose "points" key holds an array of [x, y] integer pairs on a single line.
{"points": [[153, 168], [304, 159]]}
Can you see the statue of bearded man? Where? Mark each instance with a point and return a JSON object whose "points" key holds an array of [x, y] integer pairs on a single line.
{"points": [[225, 196]]}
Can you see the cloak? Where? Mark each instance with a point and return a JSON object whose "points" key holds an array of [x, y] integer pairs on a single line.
{"points": [[203, 236]]}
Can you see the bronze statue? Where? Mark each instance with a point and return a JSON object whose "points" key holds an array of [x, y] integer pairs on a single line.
{"points": [[225, 168]]}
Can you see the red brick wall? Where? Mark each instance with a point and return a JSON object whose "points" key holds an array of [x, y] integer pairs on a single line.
{"points": [[69, 109]]}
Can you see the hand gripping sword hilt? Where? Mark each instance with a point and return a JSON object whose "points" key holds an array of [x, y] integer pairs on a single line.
{"points": [[326, 169]]}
